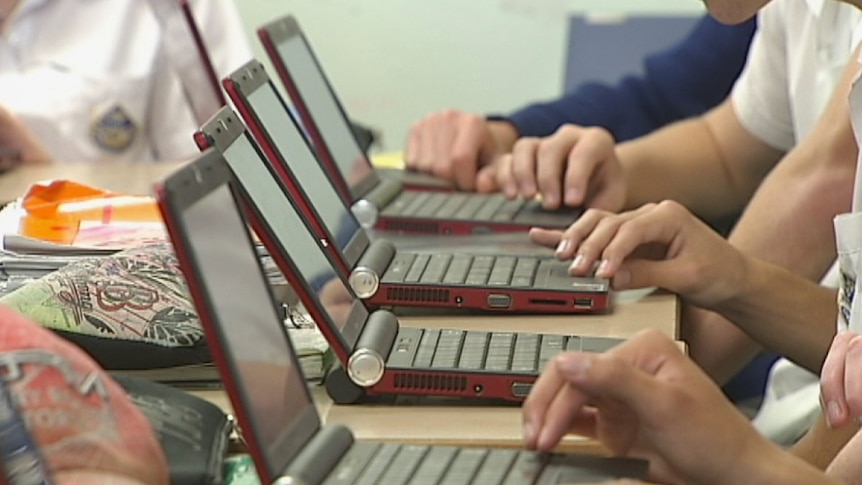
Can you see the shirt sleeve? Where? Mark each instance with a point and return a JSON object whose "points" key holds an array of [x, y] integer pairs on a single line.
{"points": [[761, 96], [683, 81]]}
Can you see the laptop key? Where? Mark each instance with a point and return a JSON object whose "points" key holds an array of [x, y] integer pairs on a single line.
{"points": [[465, 466], [397, 206], [417, 268], [495, 467], [499, 351], [454, 202], [469, 208], [551, 346], [434, 202], [352, 464], [473, 352], [436, 268], [398, 268], [377, 466], [404, 465], [448, 349], [434, 465], [527, 468], [508, 211], [487, 211], [416, 204], [427, 344]]}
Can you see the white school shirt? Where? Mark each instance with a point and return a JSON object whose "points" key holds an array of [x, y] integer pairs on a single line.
{"points": [[796, 60], [92, 81]]}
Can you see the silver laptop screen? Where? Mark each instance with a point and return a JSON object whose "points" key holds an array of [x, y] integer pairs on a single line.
{"points": [[345, 312], [289, 142], [253, 338], [325, 111]]}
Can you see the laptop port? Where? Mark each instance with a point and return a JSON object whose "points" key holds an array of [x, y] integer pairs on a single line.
{"points": [[521, 389], [583, 302], [499, 300], [547, 301]]}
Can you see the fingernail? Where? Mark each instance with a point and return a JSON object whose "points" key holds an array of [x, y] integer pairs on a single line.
{"points": [[572, 196], [577, 262], [575, 365], [563, 246], [603, 267], [529, 432], [833, 412], [550, 200]]}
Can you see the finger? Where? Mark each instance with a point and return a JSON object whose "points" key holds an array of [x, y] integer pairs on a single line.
{"points": [[411, 155], [486, 177], [467, 148], [560, 416], [832, 380], [576, 233], [546, 237], [425, 160], [504, 178], [524, 167], [444, 138], [594, 147], [551, 159], [536, 407], [852, 384]]}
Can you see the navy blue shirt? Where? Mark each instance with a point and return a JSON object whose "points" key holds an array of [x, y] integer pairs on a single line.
{"points": [[683, 81]]}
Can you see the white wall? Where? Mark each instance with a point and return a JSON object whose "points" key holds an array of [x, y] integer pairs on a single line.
{"points": [[391, 61]]}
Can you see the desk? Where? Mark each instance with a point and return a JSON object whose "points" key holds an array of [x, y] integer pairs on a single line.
{"points": [[128, 178]]}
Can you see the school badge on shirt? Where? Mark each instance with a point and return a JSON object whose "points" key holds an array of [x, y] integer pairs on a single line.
{"points": [[114, 130]]}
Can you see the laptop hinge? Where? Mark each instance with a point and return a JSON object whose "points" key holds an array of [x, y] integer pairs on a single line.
{"points": [[367, 362], [365, 277], [368, 208], [319, 457]]}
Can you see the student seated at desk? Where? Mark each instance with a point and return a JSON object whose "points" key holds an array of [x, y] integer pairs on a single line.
{"points": [[87, 430], [92, 81]]}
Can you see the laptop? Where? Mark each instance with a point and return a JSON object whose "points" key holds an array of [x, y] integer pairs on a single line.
{"points": [[377, 271], [262, 376], [377, 356], [379, 202]]}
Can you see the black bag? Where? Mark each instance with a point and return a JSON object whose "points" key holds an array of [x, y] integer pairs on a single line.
{"points": [[194, 433]]}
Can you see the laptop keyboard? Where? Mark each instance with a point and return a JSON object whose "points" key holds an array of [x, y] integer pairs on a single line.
{"points": [[462, 269], [375, 463], [526, 353], [458, 206]]}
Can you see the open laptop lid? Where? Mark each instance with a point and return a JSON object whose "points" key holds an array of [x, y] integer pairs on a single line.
{"points": [[322, 113], [237, 310], [281, 139], [276, 218], [186, 51]]}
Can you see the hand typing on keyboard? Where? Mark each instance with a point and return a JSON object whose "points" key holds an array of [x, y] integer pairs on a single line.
{"points": [[644, 398]]}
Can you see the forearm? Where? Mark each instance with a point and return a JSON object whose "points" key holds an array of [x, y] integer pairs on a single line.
{"points": [[788, 314], [847, 467], [710, 164]]}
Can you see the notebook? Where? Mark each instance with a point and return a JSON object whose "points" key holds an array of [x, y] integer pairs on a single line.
{"points": [[380, 202], [377, 271], [278, 419], [377, 355]]}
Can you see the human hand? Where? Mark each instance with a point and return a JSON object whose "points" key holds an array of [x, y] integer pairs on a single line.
{"points": [[645, 399], [575, 167], [456, 145], [840, 389], [658, 245], [16, 136]]}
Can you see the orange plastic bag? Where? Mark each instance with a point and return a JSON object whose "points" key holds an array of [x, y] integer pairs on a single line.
{"points": [[54, 211]]}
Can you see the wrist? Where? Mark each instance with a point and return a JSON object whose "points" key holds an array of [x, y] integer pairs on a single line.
{"points": [[768, 464], [503, 133]]}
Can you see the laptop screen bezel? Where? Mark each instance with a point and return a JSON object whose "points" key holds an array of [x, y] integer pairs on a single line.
{"points": [[241, 85], [223, 131], [286, 29], [177, 193]]}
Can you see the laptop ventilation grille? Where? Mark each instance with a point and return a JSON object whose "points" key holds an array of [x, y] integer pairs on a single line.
{"points": [[430, 382], [417, 294], [411, 226]]}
